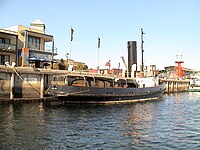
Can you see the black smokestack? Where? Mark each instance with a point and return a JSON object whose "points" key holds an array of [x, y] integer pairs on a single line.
{"points": [[132, 55]]}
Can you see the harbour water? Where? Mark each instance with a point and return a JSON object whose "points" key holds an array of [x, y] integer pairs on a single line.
{"points": [[172, 122]]}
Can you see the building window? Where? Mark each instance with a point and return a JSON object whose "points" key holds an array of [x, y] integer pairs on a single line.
{"points": [[4, 40], [3, 59], [33, 42]]}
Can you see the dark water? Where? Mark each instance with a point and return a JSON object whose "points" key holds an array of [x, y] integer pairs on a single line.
{"points": [[170, 123]]}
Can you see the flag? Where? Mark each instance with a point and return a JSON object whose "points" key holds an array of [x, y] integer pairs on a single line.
{"points": [[98, 42], [72, 32]]}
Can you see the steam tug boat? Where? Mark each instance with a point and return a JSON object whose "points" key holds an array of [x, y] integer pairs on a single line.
{"points": [[102, 89], [97, 88]]}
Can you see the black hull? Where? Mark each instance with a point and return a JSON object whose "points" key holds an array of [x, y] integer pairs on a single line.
{"points": [[108, 99], [75, 94]]}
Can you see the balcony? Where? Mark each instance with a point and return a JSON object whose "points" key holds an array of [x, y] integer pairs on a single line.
{"points": [[41, 47], [8, 47]]}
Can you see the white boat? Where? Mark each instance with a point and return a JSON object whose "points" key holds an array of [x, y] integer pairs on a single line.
{"points": [[194, 84]]}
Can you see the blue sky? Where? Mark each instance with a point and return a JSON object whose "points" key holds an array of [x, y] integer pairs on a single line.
{"points": [[171, 27]]}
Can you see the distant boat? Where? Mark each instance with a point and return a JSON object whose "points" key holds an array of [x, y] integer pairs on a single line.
{"points": [[102, 89], [194, 84]]}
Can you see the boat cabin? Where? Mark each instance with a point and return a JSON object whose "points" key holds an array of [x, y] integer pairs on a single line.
{"points": [[94, 81]]}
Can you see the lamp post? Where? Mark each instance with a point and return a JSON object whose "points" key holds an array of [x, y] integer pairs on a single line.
{"points": [[67, 55]]}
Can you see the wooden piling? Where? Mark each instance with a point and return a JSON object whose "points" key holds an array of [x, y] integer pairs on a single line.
{"points": [[12, 81], [42, 86], [174, 85]]}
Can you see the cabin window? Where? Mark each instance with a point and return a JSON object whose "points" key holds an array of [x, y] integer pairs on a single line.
{"points": [[55, 78], [110, 93], [143, 85], [131, 92]]}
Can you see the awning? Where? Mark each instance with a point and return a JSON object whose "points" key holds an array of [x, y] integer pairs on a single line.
{"points": [[33, 59], [43, 60], [40, 59], [53, 61], [46, 37]]}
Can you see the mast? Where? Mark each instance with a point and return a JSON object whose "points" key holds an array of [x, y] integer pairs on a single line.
{"points": [[142, 42], [72, 37], [98, 53]]}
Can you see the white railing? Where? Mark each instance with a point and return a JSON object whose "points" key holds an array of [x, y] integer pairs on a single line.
{"points": [[41, 47]]}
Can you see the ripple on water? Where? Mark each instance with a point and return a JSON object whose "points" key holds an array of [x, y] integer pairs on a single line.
{"points": [[170, 123]]}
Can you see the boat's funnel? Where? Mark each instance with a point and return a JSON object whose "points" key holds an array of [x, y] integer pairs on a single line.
{"points": [[132, 57]]}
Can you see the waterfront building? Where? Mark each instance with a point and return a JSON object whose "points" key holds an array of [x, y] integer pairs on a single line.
{"points": [[35, 46], [70, 65], [172, 73], [8, 46]]}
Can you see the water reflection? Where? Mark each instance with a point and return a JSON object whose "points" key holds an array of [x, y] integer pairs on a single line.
{"points": [[21, 124], [6, 123], [194, 96], [170, 123], [161, 122], [140, 120]]}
